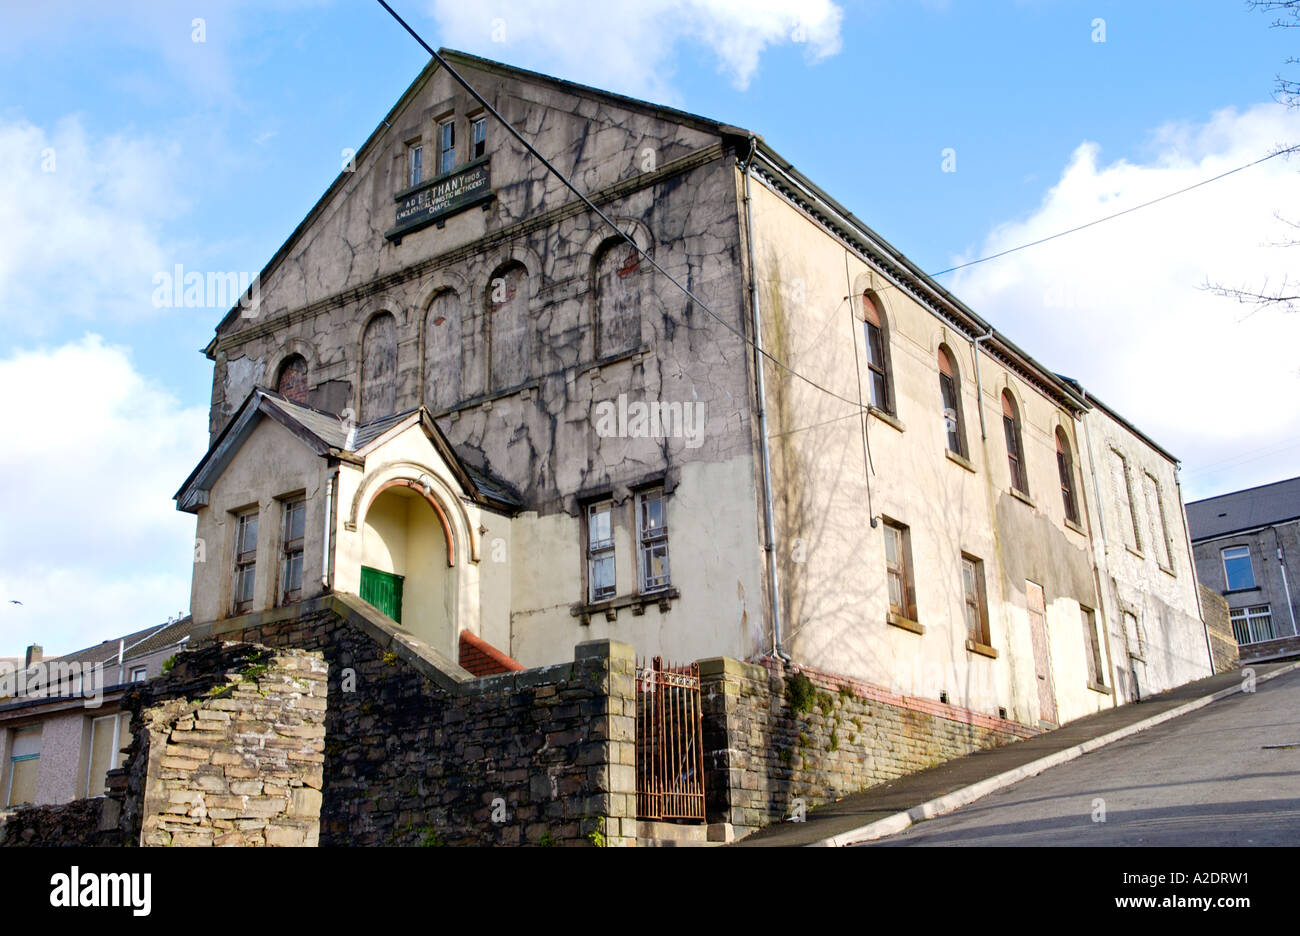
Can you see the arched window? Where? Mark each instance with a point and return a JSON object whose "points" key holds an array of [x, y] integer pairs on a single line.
{"points": [[1065, 468], [877, 340], [950, 398], [379, 368], [1015, 443], [617, 298], [442, 352], [291, 382], [509, 330]]}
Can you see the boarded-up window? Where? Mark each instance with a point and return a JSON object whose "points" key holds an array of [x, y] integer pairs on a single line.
{"points": [[1092, 647], [510, 360], [442, 352], [977, 613], [292, 381], [898, 570], [1156, 519], [24, 765], [618, 299], [379, 368], [1124, 505]]}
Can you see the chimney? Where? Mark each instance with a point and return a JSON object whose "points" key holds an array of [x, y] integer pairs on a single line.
{"points": [[35, 654]]}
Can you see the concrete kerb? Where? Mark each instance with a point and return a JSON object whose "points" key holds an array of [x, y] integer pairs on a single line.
{"points": [[899, 821]]}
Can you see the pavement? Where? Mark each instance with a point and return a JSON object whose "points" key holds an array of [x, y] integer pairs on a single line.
{"points": [[894, 807]]}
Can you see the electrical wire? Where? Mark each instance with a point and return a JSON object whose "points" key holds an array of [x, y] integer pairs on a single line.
{"points": [[1118, 214], [568, 183]]}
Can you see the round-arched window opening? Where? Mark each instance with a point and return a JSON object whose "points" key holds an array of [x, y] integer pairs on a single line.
{"points": [[292, 379]]}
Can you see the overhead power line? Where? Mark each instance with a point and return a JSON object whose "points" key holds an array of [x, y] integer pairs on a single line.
{"points": [[1118, 214], [568, 183]]}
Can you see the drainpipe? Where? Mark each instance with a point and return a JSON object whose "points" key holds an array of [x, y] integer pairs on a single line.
{"points": [[769, 524], [1191, 558], [329, 516], [979, 387]]}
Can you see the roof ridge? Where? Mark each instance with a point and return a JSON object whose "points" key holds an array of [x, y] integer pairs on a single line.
{"points": [[1246, 490]]}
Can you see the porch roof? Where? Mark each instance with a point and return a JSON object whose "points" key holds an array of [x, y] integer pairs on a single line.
{"points": [[332, 437]]}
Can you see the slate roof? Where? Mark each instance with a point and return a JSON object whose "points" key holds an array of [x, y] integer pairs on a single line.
{"points": [[137, 644], [328, 435], [1244, 510]]}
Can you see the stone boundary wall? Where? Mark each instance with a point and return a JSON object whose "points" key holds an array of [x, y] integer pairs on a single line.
{"points": [[1223, 642], [79, 823], [419, 752], [231, 744], [1283, 648], [761, 752]]}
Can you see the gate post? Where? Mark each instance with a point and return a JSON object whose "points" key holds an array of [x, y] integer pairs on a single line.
{"points": [[723, 762], [609, 667]]}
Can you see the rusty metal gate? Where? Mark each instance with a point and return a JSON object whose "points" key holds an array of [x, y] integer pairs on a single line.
{"points": [[669, 753]]}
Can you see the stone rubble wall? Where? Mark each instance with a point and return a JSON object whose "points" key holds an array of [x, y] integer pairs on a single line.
{"points": [[762, 753], [419, 752], [1218, 620], [78, 823], [227, 749]]}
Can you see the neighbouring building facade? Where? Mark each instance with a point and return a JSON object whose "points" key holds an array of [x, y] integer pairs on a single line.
{"points": [[459, 395], [1247, 547], [62, 727]]}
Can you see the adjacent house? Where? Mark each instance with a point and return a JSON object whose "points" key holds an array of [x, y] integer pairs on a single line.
{"points": [[1247, 547], [462, 396], [61, 729]]}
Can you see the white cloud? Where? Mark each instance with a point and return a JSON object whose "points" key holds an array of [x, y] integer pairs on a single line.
{"points": [[93, 545], [1119, 306], [628, 45], [79, 223]]}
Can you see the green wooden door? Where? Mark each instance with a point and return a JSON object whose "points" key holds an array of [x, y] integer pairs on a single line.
{"points": [[383, 590]]}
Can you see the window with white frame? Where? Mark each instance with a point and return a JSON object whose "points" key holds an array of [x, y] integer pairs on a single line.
{"points": [[446, 146], [414, 164], [478, 138], [600, 551], [139, 674], [652, 539], [1237, 571], [245, 560], [292, 526], [1251, 625]]}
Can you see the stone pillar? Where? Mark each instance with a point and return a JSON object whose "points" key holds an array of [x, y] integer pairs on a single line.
{"points": [[610, 753], [732, 777]]}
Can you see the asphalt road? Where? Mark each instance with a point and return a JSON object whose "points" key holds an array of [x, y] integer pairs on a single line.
{"points": [[1203, 779]]}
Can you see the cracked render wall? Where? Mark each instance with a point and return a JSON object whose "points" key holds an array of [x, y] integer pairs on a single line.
{"points": [[667, 181]]}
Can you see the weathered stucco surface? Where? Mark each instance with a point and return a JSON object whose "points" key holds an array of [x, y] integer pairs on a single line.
{"points": [[512, 324], [832, 560]]}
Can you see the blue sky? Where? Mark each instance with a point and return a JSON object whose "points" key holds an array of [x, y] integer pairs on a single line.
{"points": [[207, 154]]}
